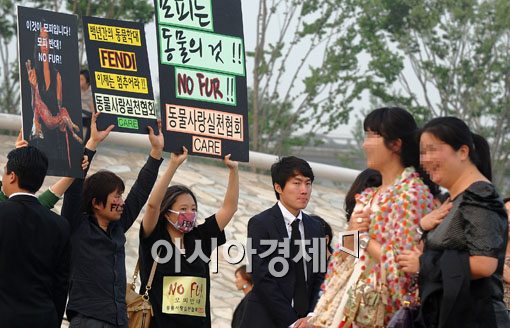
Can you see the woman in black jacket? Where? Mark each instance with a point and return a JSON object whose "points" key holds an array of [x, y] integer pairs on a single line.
{"points": [[244, 282], [462, 265]]}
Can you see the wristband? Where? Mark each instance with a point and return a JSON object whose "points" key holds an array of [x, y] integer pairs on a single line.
{"points": [[59, 197]]}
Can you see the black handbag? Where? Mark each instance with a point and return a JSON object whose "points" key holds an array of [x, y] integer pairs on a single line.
{"points": [[404, 317]]}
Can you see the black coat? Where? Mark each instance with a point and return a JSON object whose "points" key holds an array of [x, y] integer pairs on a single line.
{"points": [[269, 304], [444, 289], [237, 317], [450, 299], [34, 264]]}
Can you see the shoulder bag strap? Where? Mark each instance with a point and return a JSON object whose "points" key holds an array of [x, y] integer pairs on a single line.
{"points": [[135, 273], [151, 277]]}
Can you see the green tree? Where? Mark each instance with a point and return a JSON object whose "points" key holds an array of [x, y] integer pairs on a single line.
{"points": [[9, 87], [436, 58], [306, 71], [282, 112]]}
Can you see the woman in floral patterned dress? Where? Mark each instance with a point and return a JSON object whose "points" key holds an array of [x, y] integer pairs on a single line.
{"points": [[387, 218], [506, 268]]}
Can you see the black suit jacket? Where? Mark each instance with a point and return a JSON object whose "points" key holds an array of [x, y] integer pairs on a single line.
{"points": [[34, 264], [270, 302]]}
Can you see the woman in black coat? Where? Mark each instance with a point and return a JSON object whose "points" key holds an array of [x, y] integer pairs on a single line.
{"points": [[244, 282]]}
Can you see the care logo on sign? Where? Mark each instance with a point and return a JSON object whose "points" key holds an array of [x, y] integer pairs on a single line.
{"points": [[127, 123], [206, 146], [184, 295]]}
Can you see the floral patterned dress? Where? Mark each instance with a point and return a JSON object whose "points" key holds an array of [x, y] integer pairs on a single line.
{"points": [[396, 213], [506, 286]]}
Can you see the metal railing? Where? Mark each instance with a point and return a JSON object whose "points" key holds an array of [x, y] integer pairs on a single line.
{"points": [[257, 160]]}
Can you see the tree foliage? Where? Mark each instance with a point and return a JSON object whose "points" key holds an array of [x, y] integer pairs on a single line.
{"points": [[9, 92], [437, 58], [434, 57], [306, 71]]}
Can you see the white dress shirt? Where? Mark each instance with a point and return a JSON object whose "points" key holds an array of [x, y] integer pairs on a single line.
{"points": [[22, 193]]}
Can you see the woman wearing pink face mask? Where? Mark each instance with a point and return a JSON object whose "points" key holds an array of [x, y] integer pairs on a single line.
{"points": [[180, 288]]}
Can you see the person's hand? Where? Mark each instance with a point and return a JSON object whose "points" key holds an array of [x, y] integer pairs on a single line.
{"points": [[20, 142], [233, 165], [32, 75], [157, 141], [96, 137], [409, 260], [85, 162], [303, 323], [59, 89], [434, 218], [360, 220], [178, 159]]}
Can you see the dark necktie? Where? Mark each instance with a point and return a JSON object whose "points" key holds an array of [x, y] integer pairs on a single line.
{"points": [[300, 294]]}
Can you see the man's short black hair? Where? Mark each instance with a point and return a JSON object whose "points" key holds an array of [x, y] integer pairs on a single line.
{"points": [[287, 168], [30, 166], [86, 74], [98, 186]]}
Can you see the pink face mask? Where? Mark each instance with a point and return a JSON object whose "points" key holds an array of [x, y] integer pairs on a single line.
{"points": [[185, 221]]}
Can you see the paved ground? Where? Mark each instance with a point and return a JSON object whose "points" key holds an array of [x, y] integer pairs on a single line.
{"points": [[209, 183]]}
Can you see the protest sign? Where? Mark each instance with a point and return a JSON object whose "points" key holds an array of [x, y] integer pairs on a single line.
{"points": [[50, 89], [202, 77], [184, 295], [120, 75]]}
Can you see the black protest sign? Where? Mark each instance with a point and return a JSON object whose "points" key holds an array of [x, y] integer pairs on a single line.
{"points": [[202, 77], [50, 88], [120, 75]]}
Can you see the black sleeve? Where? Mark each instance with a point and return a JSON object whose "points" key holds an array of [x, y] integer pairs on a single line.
{"points": [[140, 191], [61, 281], [485, 231], [207, 231], [268, 291], [71, 207]]}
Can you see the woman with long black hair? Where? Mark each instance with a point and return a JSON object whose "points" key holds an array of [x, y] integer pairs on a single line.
{"points": [[387, 219], [462, 264], [181, 286]]}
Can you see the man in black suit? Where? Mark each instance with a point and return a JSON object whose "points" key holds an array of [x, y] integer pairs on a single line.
{"points": [[285, 300], [34, 247]]}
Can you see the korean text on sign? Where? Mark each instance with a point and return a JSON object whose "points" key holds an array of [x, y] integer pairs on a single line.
{"points": [[191, 13], [133, 107], [204, 122], [114, 34], [120, 82], [195, 49]]}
